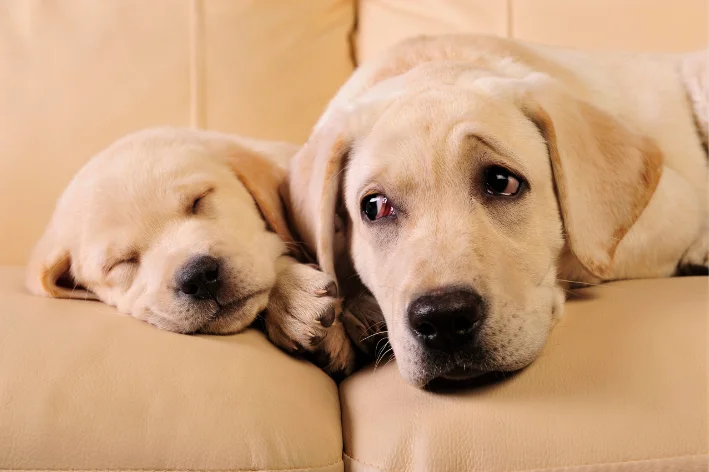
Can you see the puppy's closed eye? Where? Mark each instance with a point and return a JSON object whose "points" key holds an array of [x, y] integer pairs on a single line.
{"points": [[197, 202], [129, 261]]}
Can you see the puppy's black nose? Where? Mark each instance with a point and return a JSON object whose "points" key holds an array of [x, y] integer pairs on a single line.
{"points": [[446, 319], [199, 277]]}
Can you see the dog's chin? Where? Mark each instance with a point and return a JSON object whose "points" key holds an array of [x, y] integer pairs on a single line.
{"points": [[460, 373], [461, 370], [449, 374], [236, 316]]}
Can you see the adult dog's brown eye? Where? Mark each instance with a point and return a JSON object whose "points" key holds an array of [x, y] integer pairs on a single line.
{"points": [[500, 181], [376, 206]]}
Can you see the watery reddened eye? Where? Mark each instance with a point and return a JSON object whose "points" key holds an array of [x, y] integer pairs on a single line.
{"points": [[376, 206]]}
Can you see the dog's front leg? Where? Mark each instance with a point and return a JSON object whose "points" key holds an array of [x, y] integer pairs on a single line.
{"points": [[304, 316]]}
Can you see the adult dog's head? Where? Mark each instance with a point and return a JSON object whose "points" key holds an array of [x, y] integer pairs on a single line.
{"points": [[459, 190], [177, 227]]}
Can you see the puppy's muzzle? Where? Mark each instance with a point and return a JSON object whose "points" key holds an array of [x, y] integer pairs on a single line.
{"points": [[446, 319], [199, 278]]}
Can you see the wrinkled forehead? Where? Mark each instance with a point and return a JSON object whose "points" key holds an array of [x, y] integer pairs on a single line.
{"points": [[441, 126]]}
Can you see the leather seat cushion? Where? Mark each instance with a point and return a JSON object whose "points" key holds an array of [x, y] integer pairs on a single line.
{"points": [[84, 388], [621, 385]]}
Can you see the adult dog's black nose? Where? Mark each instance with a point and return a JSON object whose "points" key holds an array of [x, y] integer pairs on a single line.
{"points": [[199, 277], [446, 319]]}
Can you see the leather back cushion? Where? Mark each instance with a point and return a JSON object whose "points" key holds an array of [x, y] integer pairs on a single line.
{"points": [[77, 74], [631, 25]]}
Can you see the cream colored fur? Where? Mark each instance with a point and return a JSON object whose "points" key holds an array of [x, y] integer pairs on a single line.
{"points": [[612, 146], [126, 224]]}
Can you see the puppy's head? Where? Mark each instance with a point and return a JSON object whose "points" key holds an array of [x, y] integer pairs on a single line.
{"points": [[458, 198], [175, 227]]}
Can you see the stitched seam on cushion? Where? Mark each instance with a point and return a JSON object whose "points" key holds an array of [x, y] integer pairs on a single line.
{"points": [[637, 461], [371, 465], [197, 64], [509, 20], [579, 467], [338, 461], [352, 35]]}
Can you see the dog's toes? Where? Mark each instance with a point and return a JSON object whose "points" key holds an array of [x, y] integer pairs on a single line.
{"points": [[316, 340], [327, 318], [330, 290], [304, 316]]}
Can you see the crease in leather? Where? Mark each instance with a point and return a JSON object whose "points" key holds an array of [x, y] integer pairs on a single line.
{"points": [[324, 467], [411, 13], [700, 462], [509, 13], [196, 64]]}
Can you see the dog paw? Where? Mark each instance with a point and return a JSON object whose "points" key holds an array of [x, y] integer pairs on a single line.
{"points": [[304, 317], [696, 260]]}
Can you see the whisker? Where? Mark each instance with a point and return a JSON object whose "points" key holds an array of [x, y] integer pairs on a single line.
{"points": [[572, 281], [391, 358], [381, 357], [583, 283], [107, 311], [373, 334], [376, 347], [374, 326]]}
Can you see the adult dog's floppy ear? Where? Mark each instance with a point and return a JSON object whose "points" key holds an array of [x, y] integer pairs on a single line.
{"points": [[49, 272], [605, 173], [263, 179], [314, 186]]}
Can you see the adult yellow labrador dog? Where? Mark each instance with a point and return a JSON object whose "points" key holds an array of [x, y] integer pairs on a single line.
{"points": [[186, 230], [467, 179]]}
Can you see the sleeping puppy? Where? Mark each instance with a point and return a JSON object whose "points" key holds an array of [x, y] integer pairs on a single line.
{"points": [[466, 180], [185, 229]]}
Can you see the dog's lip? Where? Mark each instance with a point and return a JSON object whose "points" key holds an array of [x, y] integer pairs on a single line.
{"points": [[227, 309], [462, 373]]}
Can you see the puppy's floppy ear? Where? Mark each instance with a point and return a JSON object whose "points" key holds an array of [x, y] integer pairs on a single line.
{"points": [[49, 272], [605, 173], [264, 179]]}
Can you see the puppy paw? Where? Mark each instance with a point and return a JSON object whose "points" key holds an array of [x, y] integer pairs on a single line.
{"points": [[304, 316]]}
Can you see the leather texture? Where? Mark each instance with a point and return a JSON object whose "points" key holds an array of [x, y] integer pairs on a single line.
{"points": [[630, 25], [84, 388], [76, 75], [620, 386]]}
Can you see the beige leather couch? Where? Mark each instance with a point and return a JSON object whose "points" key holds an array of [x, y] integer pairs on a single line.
{"points": [[621, 385]]}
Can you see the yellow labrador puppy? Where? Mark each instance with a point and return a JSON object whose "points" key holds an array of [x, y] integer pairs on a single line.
{"points": [[185, 229], [466, 179]]}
